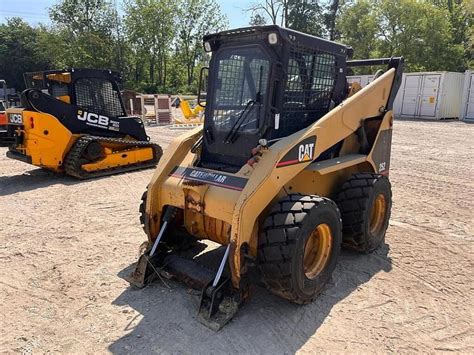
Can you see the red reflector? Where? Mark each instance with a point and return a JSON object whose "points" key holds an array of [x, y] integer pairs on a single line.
{"points": [[32, 122]]}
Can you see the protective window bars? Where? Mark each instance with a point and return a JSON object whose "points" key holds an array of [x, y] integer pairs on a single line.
{"points": [[309, 89], [35, 80], [241, 87], [99, 96]]}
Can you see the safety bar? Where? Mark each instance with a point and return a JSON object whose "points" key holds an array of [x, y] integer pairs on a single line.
{"points": [[375, 61], [395, 62]]}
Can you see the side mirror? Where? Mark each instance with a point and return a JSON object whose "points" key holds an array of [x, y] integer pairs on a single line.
{"points": [[202, 93]]}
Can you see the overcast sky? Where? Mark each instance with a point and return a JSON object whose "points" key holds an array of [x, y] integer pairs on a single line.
{"points": [[36, 11]]}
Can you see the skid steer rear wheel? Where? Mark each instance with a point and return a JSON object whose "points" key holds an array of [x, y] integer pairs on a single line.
{"points": [[299, 246], [365, 202]]}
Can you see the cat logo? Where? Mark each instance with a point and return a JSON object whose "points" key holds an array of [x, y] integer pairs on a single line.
{"points": [[301, 153], [305, 152]]}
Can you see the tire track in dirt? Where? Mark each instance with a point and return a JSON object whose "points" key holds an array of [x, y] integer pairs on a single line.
{"points": [[63, 244]]}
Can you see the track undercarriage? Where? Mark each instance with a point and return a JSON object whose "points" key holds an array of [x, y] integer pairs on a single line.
{"points": [[92, 157]]}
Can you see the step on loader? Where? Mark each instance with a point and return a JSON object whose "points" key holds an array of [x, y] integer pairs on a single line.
{"points": [[288, 167], [74, 121]]}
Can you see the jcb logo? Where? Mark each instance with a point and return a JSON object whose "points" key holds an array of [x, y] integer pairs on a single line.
{"points": [[93, 118], [305, 152], [15, 118]]}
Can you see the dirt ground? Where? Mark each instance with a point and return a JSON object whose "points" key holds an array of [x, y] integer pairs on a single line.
{"points": [[65, 246]]}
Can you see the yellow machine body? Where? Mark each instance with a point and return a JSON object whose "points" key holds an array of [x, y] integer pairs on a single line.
{"points": [[191, 115], [115, 158], [232, 214], [46, 141]]}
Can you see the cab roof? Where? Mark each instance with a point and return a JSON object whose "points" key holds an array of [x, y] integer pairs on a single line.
{"points": [[286, 35]]}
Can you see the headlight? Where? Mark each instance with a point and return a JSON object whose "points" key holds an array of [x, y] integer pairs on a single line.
{"points": [[272, 38], [207, 47]]}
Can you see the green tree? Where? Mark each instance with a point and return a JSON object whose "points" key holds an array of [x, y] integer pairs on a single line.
{"points": [[359, 28], [84, 34], [305, 16], [461, 18], [420, 32], [197, 18], [177, 73], [331, 13], [301, 15], [150, 27], [20, 52], [470, 40]]}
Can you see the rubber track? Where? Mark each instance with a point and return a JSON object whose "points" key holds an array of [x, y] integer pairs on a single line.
{"points": [[142, 211], [277, 241], [74, 161]]}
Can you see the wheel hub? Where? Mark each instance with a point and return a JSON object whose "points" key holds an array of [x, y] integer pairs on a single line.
{"points": [[377, 218], [317, 251]]}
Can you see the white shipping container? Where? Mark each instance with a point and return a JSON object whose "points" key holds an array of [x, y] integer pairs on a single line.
{"points": [[363, 80], [467, 104], [430, 95]]}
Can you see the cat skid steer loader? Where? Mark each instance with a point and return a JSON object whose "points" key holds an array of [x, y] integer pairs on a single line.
{"points": [[74, 121], [287, 168]]}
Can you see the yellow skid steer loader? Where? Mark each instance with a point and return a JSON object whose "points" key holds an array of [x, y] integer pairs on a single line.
{"points": [[74, 121], [287, 168]]}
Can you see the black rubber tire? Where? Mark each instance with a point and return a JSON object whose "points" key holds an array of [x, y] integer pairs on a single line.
{"points": [[282, 241], [355, 200], [142, 209]]}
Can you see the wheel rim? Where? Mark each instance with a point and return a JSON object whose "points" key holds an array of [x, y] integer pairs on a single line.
{"points": [[377, 218], [317, 251]]}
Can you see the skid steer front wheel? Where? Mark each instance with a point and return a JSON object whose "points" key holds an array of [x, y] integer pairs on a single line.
{"points": [[299, 246], [365, 202]]}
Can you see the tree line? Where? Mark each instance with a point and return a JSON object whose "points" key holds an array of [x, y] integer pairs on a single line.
{"points": [[156, 44], [430, 34]]}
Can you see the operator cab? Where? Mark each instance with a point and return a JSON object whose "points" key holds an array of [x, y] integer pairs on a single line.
{"points": [[92, 90], [266, 82]]}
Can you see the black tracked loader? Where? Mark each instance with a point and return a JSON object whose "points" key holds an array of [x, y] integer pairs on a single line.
{"points": [[74, 121]]}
